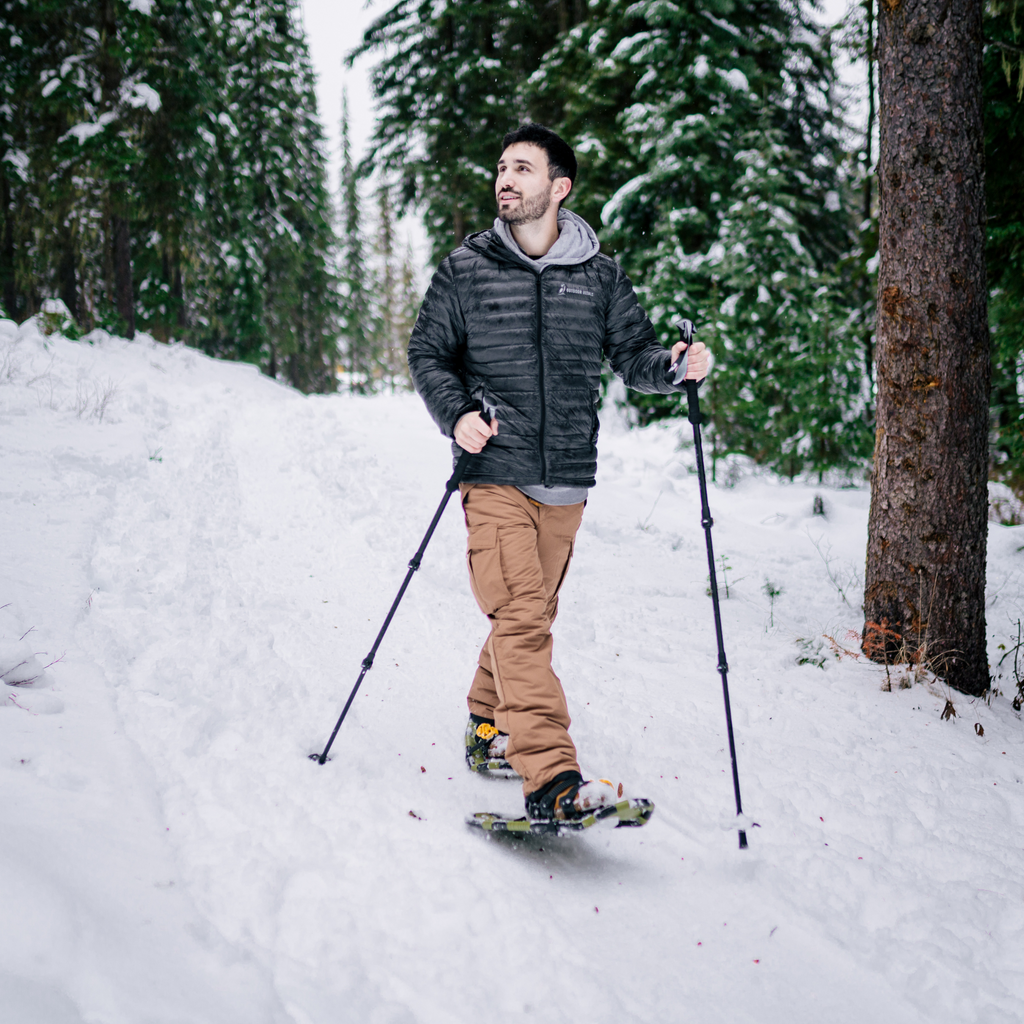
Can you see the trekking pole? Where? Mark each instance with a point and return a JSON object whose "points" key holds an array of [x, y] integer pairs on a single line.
{"points": [[686, 332], [452, 485]]}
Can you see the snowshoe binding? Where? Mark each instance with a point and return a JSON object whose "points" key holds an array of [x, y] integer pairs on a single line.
{"points": [[485, 749], [569, 804]]}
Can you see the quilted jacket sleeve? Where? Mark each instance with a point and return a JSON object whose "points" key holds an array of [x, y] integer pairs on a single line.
{"points": [[435, 352], [630, 344]]}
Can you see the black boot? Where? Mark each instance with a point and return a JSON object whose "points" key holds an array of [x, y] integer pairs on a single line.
{"points": [[555, 798]]}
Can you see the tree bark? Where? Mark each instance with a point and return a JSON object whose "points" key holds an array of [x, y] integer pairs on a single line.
{"points": [[925, 581], [7, 273], [458, 223], [120, 234], [68, 277], [121, 240], [178, 290], [869, 332]]}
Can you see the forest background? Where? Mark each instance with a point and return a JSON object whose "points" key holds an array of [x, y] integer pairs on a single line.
{"points": [[164, 168]]}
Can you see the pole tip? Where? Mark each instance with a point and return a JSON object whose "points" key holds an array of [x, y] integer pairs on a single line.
{"points": [[319, 758]]}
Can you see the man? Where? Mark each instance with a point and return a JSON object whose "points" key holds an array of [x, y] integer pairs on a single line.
{"points": [[514, 326]]}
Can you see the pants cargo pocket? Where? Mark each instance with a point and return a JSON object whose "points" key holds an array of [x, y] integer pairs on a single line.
{"points": [[565, 568], [483, 556]]}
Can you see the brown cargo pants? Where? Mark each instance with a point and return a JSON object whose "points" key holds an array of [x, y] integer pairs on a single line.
{"points": [[518, 553]]}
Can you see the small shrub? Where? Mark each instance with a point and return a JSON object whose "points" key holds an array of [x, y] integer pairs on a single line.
{"points": [[19, 664], [93, 398], [1017, 650], [1004, 507], [812, 651], [56, 318], [844, 578], [771, 591], [841, 650], [892, 648], [10, 365], [723, 570]]}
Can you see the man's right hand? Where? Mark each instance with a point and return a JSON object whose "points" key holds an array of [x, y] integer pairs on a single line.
{"points": [[472, 433]]}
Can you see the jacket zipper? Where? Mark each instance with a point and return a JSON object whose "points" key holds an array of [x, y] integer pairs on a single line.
{"points": [[540, 364]]}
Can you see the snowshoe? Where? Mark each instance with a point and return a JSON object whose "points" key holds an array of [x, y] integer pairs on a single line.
{"points": [[569, 804], [623, 814]]}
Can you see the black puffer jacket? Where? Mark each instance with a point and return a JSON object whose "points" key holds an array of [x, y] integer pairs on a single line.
{"points": [[534, 342]]}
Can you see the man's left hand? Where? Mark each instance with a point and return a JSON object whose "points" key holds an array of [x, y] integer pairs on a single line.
{"points": [[697, 366]]}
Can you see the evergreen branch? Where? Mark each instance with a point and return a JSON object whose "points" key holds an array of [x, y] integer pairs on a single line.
{"points": [[1009, 47]]}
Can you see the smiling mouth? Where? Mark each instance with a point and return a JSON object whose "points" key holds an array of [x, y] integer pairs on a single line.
{"points": [[507, 197]]}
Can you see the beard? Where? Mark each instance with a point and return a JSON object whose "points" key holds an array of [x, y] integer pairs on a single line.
{"points": [[529, 209]]}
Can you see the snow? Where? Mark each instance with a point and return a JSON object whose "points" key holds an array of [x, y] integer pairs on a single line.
{"points": [[87, 129], [19, 160], [736, 79], [19, 663], [613, 208], [143, 95], [211, 561]]}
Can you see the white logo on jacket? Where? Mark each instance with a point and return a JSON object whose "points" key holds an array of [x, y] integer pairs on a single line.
{"points": [[571, 289]]}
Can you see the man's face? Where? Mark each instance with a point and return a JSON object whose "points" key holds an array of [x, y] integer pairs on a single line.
{"points": [[523, 189]]}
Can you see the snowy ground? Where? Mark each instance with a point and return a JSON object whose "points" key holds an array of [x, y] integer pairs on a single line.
{"points": [[212, 554]]}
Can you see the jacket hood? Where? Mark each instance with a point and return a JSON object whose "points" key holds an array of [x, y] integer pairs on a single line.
{"points": [[576, 243]]}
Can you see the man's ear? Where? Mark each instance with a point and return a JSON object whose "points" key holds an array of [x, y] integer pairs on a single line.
{"points": [[560, 188]]}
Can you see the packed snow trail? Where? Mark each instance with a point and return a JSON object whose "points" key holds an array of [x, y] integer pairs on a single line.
{"points": [[216, 556]]}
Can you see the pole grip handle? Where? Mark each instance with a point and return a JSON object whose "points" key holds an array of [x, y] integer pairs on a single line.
{"points": [[487, 412]]}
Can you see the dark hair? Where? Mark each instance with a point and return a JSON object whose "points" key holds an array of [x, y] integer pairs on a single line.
{"points": [[561, 158]]}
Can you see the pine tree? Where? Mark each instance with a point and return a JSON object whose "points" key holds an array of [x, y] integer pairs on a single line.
{"points": [[789, 390], [385, 292], [78, 101], [855, 34], [450, 83], [1003, 83], [162, 162], [361, 363], [272, 301], [21, 45], [178, 148], [407, 307], [712, 153], [394, 297]]}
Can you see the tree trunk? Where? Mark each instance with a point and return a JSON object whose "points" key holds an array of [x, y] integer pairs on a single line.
{"points": [[178, 292], [121, 240], [68, 277], [7, 274], [458, 223], [120, 235], [925, 581], [869, 332]]}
